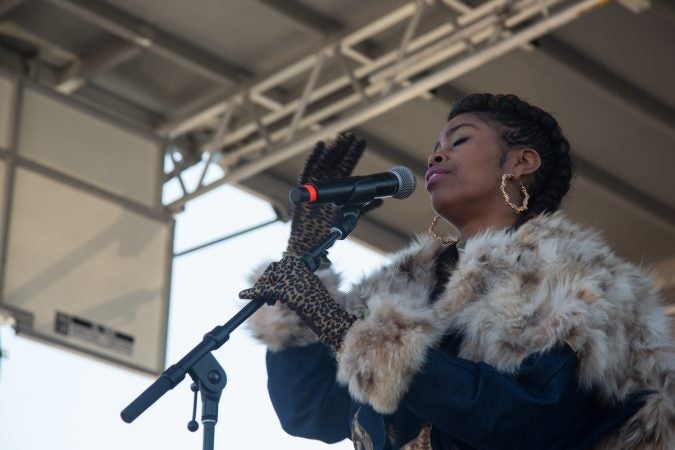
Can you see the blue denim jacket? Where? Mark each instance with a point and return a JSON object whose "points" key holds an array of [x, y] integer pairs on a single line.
{"points": [[470, 405]]}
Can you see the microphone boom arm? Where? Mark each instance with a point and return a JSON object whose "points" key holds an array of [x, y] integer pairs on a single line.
{"points": [[200, 363]]}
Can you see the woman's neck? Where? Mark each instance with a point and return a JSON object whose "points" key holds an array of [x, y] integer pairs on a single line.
{"points": [[478, 225]]}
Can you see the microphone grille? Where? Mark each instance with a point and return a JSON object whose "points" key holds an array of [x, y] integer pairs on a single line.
{"points": [[407, 181]]}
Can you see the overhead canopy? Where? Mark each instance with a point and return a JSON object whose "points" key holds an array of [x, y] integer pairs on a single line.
{"points": [[252, 84]]}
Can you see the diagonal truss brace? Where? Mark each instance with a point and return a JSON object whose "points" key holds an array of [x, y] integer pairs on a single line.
{"points": [[431, 59]]}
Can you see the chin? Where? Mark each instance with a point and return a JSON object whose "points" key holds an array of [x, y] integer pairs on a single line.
{"points": [[441, 201]]}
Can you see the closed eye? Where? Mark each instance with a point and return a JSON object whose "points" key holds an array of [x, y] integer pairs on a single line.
{"points": [[460, 141]]}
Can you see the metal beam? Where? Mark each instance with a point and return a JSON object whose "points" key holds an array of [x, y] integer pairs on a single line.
{"points": [[379, 235], [304, 99], [426, 50], [133, 29], [392, 154], [94, 96], [627, 192], [33, 37], [12, 61], [7, 191], [448, 94], [203, 113], [658, 112], [196, 113], [240, 163], [307, 18], [121, 108], [635, 6], [457, 6], [101, 60], [410, 30]]}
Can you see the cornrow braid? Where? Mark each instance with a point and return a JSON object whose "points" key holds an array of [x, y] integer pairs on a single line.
{"points": [[525, 125]]}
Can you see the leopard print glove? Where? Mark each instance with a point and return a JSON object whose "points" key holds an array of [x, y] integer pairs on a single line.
{"points": [[292, 283], [310, 223]]}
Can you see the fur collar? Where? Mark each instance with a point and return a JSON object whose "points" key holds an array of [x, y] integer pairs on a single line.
{"points": [[513, 294]]}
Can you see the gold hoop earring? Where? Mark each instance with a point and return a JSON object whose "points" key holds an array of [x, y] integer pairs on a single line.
{"points": [[436, 236], [523, 190]]}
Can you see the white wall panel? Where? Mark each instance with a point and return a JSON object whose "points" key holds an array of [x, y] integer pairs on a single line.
{"points": [[94, 275], [68, 139]]}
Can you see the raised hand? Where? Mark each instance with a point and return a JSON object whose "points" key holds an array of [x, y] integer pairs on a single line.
{"points": [[310, 223]]}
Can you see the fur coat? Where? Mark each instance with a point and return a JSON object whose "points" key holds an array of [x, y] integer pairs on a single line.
{"points": [[512, 294]]}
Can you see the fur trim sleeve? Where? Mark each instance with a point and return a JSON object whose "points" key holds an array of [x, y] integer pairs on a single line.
{"points": [[382, 352], [277, 326]]}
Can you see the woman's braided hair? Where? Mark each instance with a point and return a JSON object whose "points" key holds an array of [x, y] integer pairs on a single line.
{"points": [[524, 125]]}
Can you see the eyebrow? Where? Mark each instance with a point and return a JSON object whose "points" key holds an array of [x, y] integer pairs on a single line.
{"points": [[449, 131]]}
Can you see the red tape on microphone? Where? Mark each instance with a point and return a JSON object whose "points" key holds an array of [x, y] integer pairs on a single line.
{"points": [[312, 192]]}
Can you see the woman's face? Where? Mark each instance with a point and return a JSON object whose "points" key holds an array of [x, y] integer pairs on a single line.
{"points": [[464, 171]]}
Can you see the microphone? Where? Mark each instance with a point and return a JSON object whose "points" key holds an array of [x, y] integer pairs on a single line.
{"points": [[399, 183]]}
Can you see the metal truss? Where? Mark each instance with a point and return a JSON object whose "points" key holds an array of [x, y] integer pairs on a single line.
{"points": [[366, 86]]}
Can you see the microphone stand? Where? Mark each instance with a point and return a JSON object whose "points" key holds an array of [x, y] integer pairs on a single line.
{"points": [[207, 374]]}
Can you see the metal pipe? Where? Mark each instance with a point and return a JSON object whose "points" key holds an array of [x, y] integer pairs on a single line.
{"points": [[335, 85], [457, 5], [403, 47], [179, 175], [382, 105], [220, 132], [297, 68], [305, 64], [356, 84], [129, 28], [304, 99], [224, 238], [262, 129]]}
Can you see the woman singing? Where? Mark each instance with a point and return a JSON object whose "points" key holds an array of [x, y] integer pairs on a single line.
{"points": [[527, 333]]}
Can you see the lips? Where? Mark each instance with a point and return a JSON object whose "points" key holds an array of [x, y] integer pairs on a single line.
{"points": [[433, 173]]}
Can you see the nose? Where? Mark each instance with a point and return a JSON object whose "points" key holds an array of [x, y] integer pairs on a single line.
{"points": [[434, 158]]}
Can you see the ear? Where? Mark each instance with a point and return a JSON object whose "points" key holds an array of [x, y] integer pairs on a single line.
{"points": [[525, 162]]}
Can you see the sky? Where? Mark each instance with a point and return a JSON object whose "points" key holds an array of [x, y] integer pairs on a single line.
{"points": [[55, 399]]}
